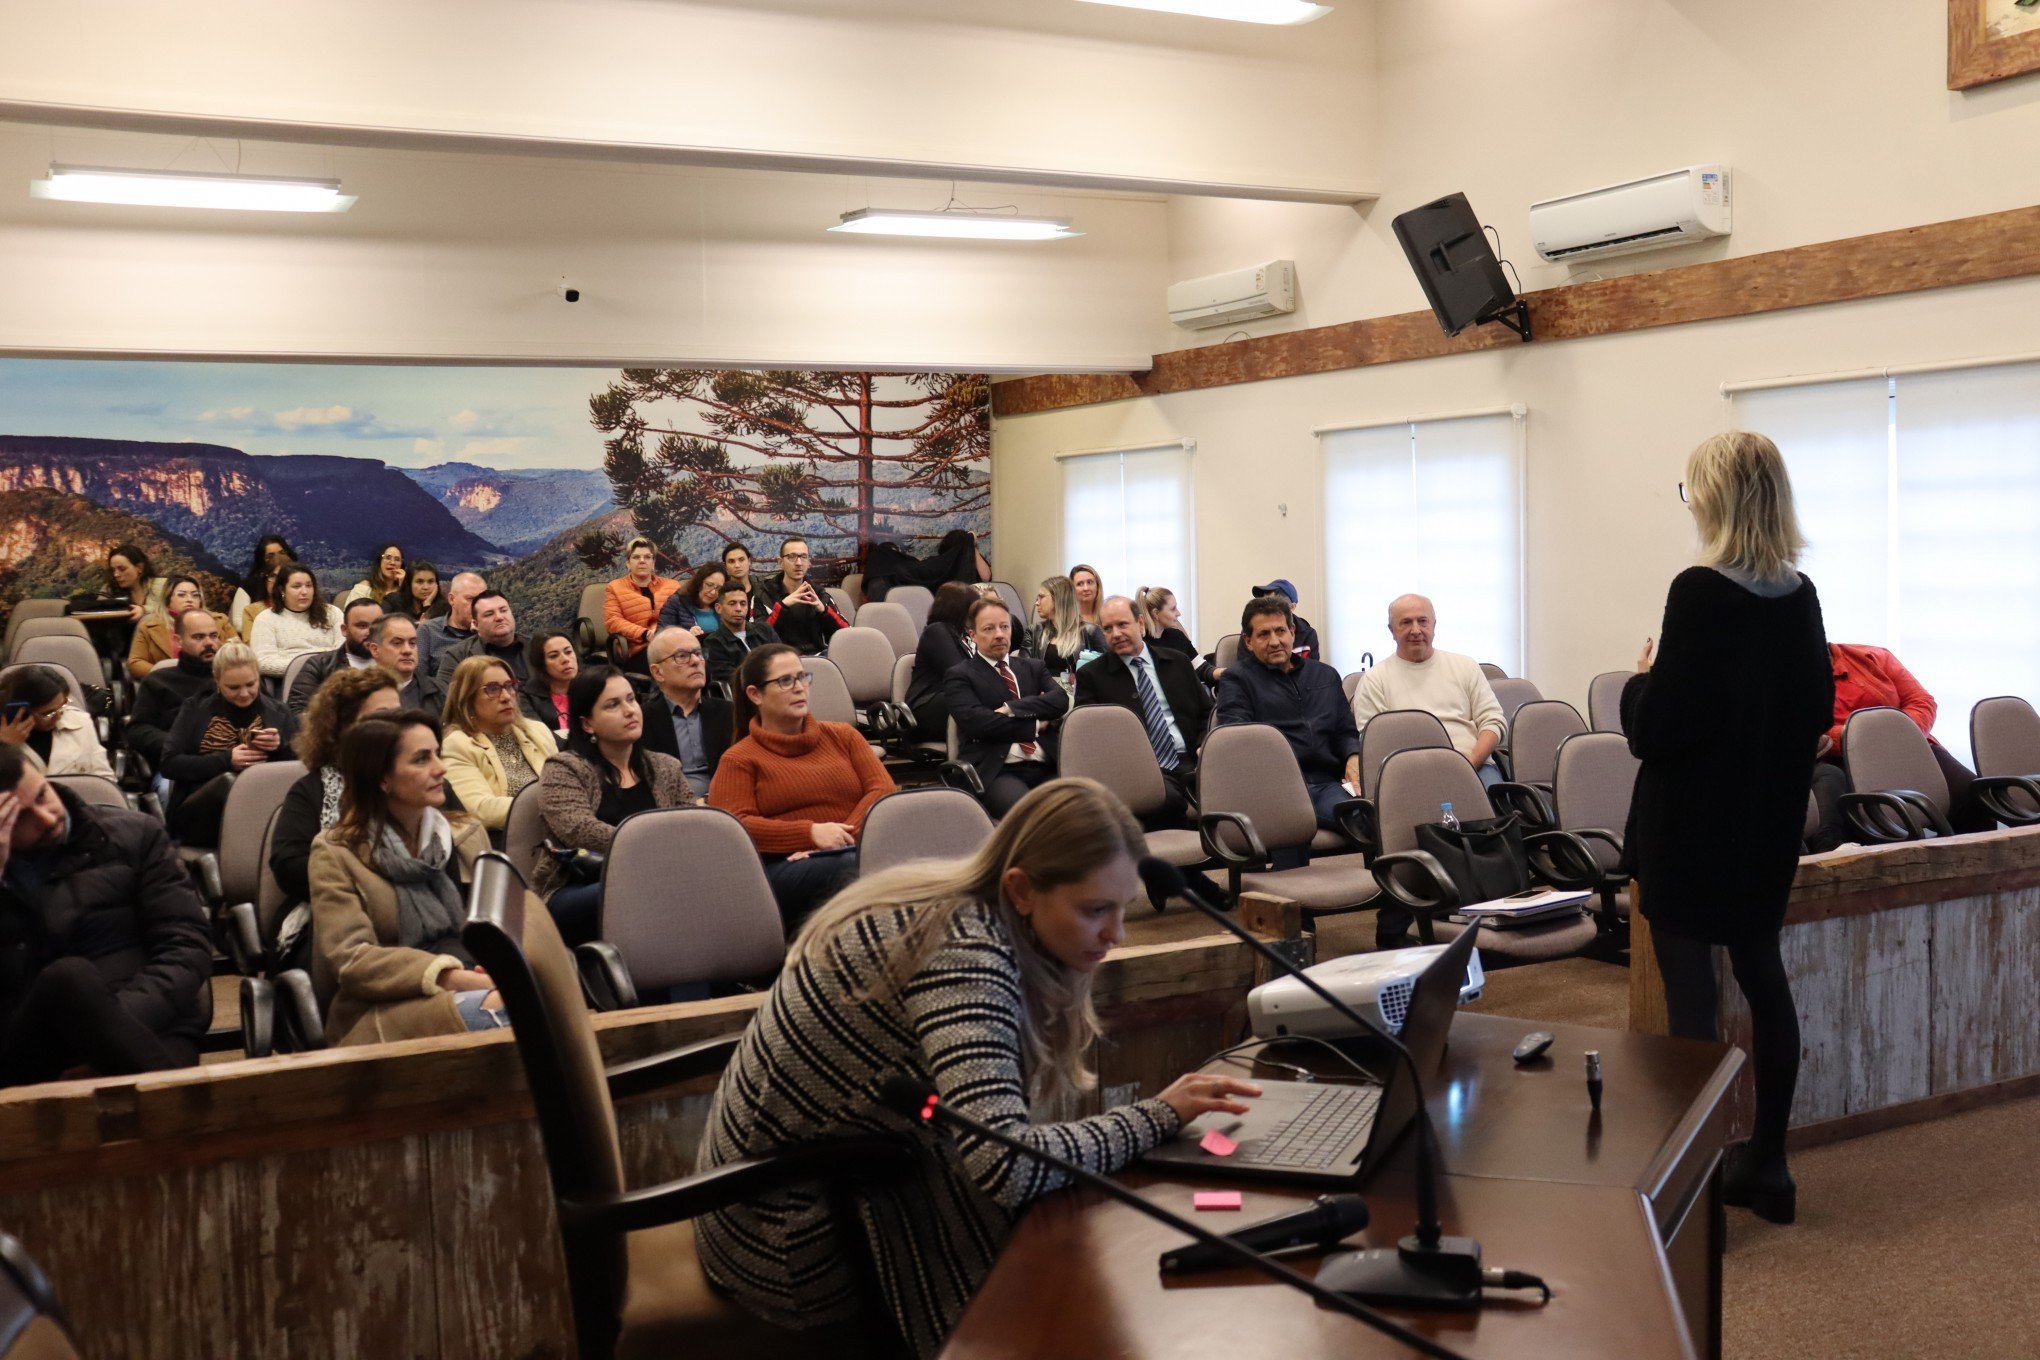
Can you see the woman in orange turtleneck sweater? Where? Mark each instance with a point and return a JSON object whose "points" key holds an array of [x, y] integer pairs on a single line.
{"points": [[800, 786]]}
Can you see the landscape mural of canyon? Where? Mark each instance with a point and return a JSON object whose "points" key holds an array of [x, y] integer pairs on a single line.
{"points": [[534, 476]]}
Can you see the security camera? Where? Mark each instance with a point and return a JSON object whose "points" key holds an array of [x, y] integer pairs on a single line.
{"points": [[568, 292]]}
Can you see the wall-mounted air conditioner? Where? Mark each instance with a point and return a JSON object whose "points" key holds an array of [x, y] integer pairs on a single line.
{"points": [[1241, 295], [1672, 209]]}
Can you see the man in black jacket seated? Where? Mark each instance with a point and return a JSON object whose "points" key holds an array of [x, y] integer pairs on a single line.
{"points": [[393, 642], [1157, 686], [797, 609], [682, 719], [352, 653], [1005, 708], [729, 644], [1302, 699], [103, 952], [163, 692], [495, 635]]}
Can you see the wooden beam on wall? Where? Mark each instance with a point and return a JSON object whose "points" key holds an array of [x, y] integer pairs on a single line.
{"points": [[1984, 249]]}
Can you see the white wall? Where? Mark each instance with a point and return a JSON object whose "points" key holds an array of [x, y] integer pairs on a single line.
{"points": [[1836, 122]]}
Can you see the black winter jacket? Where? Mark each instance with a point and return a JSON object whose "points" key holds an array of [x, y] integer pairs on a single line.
{"points": [[157, 701]]}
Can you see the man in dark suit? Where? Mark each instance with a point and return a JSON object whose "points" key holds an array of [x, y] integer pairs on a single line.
{"points": [[351, 654], [393, 642], [737, 634], [1159, 688], [1005, 708], [681, 718]]}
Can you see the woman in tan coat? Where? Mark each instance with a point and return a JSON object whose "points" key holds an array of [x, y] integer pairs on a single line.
{"points": [[389, 886], [492, 750]]}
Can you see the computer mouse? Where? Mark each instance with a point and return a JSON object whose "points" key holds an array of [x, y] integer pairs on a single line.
{"points": [[1531, 1046]]}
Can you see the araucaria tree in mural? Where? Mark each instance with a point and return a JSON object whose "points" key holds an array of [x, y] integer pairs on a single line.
{"points": [[848, 458]]}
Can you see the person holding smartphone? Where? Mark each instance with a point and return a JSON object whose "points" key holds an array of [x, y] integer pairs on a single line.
{"points": [[218, 735], [37, 715], [795, 607]]}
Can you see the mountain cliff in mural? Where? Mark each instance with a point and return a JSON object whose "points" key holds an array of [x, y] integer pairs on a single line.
{"points": [[517, 511], [335, 510], [54, 543]]}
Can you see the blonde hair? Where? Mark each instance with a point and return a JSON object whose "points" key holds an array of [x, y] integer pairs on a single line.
{"points": [[1148, 603], [1065, 624], [640, 542], [458, 709], [1060, 832], [1742, 502], [235, 656]]}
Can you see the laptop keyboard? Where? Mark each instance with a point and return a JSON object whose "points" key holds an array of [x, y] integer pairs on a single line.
{"points": [[1320, 1131]]}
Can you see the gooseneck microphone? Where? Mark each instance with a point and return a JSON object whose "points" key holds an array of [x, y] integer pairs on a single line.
{"points": [[916, 1099], [1330, 1219], [1427, 1269]]}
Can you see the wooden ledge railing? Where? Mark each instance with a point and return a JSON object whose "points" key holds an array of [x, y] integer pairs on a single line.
{"points": [[1874, 878]]}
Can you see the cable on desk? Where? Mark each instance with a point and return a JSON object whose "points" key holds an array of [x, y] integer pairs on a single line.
{"points": [[1304, 1073]]}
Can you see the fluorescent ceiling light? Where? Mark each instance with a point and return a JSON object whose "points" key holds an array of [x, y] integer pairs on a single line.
{"points": [[1245, 11], [965, 226], [188, 189]]}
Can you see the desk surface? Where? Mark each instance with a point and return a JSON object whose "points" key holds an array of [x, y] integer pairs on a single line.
{"points": [[1530, 1174]]}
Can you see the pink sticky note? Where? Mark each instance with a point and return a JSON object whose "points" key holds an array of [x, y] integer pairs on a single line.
{"points": [[1216, 1199], [1217, 1144]]}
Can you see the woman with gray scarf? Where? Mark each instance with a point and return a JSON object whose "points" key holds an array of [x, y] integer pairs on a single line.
{"points": [[389, 885]]}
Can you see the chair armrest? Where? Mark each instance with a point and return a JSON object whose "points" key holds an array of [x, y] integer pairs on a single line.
{"points": [[691, 1196], [1994, 790], [672, 1067], [1925, 806], [118, 758], [605, 979], [206, 870], [1356, 817], [1610, 839], [1433, 890], [1528, 801], [1882, 818], [244, 939], [258, 1017], [147, 801], [1256, 855], [1562, 860], [957, 775], [299, 1005]]}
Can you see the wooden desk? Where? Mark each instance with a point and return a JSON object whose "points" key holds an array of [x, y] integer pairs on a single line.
{"points": [[1622, 1219]]}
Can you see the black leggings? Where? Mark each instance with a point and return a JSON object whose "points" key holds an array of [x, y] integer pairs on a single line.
{"points": [[70, 1016], [1692, 1001]]}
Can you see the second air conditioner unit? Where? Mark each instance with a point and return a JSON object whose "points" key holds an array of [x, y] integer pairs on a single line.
{"points": [[1671, 209], [1230, 298]]}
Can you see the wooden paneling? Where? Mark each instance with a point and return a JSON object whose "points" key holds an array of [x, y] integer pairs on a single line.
{"points": [[1986, 990], [1944, 254]]}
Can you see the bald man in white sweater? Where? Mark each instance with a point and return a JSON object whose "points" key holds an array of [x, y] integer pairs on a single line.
{"points": [[1443, 683]]}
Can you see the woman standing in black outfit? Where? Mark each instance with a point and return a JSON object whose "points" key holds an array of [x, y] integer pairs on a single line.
{"points": [[1725, 724]]}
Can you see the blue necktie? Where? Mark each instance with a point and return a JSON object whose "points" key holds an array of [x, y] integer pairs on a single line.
{"points": [[1154, 715]]}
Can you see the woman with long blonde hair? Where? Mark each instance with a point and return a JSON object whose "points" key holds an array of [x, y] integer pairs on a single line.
{"points": [[974, 975], [1061, 636], [1726, 720]]}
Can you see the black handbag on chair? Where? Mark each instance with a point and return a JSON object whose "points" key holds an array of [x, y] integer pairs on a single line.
{"points": [[1485, 859]]}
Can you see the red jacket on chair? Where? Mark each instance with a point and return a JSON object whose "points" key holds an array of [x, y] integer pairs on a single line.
{"points": [[1871, 677]]}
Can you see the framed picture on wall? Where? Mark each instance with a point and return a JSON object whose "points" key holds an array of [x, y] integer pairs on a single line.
{"points": [[1991, 40]]}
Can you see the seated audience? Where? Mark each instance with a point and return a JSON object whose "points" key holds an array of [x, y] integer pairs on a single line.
{"points": [[736, 565], [1090, 592], [604, 774], [162, 693], [386, 576], [554, 664], [445, 631], [215, 737], [944, 645], [737, 631], [156, 636], [491, 750], [1061, 638], [1303, 700], [313, 803], [389, 887], [495, 635], [1872, 677], [1306, 644], [106, 958], [393, 642], [1445, 684], [38, 718], [301, 623], [1006, 709], [271, 553], [693, 605], [1158, 687], [357, 620], [419, 596], [800, 786], [976, 972], [130, 576], [683, 717], [1162, 620], [243, 619], [632, 603], [800, 612]]}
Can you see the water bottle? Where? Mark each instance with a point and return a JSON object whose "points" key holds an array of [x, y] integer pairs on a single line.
{"points": [[1446, 816]]}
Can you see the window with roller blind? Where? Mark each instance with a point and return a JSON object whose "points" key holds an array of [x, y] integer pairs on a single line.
{"points": [[1919, 495], [1130, 514], [1431, 507]]}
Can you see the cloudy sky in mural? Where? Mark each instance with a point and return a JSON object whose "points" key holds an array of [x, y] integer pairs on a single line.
{"points": [[506, 417]]}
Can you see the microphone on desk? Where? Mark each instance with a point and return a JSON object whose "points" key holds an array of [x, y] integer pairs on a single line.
{"points": [[1426, 1269], [1329, 1219], [917, 1099]]}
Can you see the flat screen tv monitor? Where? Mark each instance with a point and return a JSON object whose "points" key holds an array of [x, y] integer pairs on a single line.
{"points": [[1462, 279]]}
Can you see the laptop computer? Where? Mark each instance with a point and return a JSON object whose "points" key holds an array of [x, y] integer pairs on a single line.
{"points": [[1331, 1132]]}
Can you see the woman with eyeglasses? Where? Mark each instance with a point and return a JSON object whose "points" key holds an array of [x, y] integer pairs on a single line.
{"points": [[386, 575], [800, 786], [491, 750]]}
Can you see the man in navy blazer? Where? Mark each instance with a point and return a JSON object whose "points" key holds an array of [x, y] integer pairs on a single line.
{"points": [[1127, 675], [1005, 708]]}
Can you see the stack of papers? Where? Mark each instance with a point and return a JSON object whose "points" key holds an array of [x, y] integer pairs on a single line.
{"points": [[1525, 907]]}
